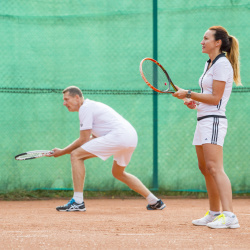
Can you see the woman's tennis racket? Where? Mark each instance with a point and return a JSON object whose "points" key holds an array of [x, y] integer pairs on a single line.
{"points": [[33, 154], [156, 77]]}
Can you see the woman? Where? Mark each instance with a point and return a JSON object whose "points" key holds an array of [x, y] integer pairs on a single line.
{"points": [[216, 86]]}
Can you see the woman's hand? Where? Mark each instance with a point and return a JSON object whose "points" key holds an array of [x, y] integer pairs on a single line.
{"points": [[191, 104], [180, 93]]}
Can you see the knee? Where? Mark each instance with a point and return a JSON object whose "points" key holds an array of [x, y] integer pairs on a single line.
{"points": [[117, 174], [211, 168], [74, 155], [203, 169]]}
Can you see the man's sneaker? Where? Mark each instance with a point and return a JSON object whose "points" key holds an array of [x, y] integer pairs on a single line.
{"points": [[72, 206], [204, 220], [223, 221], [158, 205]]}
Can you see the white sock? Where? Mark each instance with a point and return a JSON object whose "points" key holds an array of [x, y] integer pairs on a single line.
{"points": [[214, 213], [78, 197], [229, 214], [151, 199]]}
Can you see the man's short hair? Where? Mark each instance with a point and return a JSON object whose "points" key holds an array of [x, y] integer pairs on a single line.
{"points": [[73, 91]]}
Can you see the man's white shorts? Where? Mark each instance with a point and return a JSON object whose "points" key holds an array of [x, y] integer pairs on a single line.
{"points": [[210, 130], [121, 144]]}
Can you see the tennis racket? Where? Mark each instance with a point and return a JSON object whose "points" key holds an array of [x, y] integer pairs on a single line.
{"points": [[33, 154], [156, 77]]}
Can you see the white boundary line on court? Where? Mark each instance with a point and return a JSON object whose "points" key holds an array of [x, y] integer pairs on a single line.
{"points": [[136, 234]]}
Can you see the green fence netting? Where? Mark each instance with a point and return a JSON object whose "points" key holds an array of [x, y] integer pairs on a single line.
{"points": [[97, 46]]}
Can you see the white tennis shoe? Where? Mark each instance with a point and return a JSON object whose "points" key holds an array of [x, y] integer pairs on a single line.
{"points": [[204, 220], [223, 221]]}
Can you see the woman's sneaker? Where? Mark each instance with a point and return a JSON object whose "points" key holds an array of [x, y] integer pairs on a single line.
{"points": [[204, 220], [72, 206], [223, 221]]}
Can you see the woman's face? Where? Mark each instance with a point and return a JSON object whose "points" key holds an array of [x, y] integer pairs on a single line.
{"points": [[209, 45]]}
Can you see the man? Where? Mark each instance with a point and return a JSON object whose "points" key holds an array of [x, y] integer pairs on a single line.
{"points": [[103, 133]]}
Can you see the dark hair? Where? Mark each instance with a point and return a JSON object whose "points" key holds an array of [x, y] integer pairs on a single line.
{"points": [[230, 45], [221, 34], [73, 91]]}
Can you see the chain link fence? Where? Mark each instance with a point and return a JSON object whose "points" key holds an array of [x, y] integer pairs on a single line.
{"points": [[97, 46]]}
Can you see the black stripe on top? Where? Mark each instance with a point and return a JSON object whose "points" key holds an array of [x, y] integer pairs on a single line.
{"points": [[208, 62], [219, 105]]}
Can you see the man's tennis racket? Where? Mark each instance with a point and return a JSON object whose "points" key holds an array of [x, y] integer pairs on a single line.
{"points": [[156, 77], [33, 154]]}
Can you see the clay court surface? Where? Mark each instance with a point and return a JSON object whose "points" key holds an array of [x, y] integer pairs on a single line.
{"points": [[117, 224]]}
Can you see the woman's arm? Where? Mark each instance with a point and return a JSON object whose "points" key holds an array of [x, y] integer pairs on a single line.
{"points": [[212, 99]]}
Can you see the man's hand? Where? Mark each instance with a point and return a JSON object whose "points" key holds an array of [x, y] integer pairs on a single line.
{"points": [[56, 152]]}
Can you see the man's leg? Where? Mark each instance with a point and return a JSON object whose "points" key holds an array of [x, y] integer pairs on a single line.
{"points": [[135, 184], [77, 158]]}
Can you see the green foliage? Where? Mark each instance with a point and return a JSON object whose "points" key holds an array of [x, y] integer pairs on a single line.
{"points": [[67, 194]]}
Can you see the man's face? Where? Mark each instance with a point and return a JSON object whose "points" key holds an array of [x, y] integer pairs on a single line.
{"points": [[71, 102]]}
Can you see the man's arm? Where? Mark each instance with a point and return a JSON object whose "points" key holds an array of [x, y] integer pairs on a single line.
{"points": [[84, 137]]}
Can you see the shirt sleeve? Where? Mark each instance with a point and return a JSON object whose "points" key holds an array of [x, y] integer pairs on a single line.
{"points": [[86, 118], [220, 72]]}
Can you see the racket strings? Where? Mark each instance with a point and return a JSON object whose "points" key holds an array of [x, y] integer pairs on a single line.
{"points": [[155, 75], [32, 154]]}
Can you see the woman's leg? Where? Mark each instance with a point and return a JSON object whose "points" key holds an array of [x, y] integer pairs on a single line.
{"points": [[213, 156], [213, 194]]}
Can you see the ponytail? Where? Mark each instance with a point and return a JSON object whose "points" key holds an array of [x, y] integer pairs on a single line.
{"points": [[233, 57], [230, 45]]}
